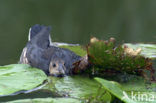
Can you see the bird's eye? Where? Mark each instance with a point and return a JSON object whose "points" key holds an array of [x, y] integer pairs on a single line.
{"points": [[54, 65]]}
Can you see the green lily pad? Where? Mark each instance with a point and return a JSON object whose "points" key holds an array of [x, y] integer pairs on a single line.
{"points": [[76, 49], [114, 88], [18, 77], [148, 50], [47, 100], [81, 87], [134, 91], [73, 86]]}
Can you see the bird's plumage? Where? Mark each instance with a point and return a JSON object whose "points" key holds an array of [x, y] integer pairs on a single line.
{"points": [[40, 54]]}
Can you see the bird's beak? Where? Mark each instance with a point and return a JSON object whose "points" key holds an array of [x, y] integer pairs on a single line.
{"points": [[61, 69]]}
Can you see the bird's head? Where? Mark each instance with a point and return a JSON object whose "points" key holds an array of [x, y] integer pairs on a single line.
{"points": [[57, 68]]}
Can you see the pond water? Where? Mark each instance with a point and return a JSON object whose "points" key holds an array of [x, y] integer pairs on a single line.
{"points": [[75, 22]]}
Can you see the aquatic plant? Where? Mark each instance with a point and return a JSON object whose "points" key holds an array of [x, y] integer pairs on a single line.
{"points": [[105, 57]]}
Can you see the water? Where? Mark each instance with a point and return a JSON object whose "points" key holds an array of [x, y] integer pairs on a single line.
{"points": [[75, 21]]}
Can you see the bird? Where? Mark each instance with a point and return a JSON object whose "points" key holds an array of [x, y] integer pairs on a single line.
{"points": [[40, 52]]}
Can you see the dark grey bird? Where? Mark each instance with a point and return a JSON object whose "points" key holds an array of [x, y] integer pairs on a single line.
{"points": [[40, 53]]}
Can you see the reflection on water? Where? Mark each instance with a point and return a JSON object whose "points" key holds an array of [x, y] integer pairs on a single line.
{"points": [[74, 21]]}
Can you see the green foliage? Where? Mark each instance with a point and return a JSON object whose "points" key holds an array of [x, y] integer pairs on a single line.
{"points": [[47, 100], [80, 87], [83, 88], [114, 88], [102, 96], [106, 56], [77, 49], [136, 87], [75, 86], [17, 77]]}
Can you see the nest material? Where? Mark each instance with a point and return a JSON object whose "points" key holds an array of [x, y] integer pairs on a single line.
{"points": [[105, 56]]}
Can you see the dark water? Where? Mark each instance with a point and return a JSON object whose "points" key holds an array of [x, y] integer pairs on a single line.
{"points": [[75, 21]]}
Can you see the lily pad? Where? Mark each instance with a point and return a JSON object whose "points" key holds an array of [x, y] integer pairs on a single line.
{"points": [[81, 87], [47, 100], [114, 88], [148, 50], [76, 49], [135, 91], [73, 86], [19, 77]]}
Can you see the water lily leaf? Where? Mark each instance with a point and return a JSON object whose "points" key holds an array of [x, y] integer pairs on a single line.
{"points": [[114, 88], [73, 86], [18, 77], [134, 91], [76, 49], [143, 91], [77, 87], [47, 100], [148, 50]]}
